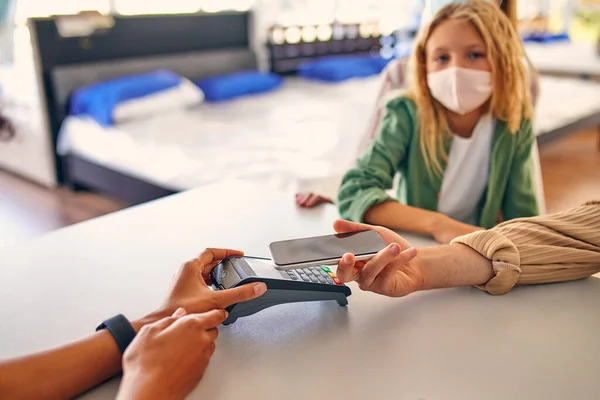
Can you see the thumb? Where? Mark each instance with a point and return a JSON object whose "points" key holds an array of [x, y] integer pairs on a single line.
{"points": [[343, 226], [346, 270], [225, 298]]}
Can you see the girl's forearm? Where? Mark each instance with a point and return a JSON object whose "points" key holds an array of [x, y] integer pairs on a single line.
{"points": [[405, 218]]}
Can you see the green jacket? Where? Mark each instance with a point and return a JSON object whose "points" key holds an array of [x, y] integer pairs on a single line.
{"points": [[511, 190]]}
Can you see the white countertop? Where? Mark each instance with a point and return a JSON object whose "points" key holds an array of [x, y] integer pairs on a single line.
{"points": [[533, 343]]}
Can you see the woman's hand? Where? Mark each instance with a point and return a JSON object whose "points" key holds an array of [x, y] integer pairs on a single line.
{"points": [[390, 272], [447, 229], [191, 292], [309, 200], [168, 358]]}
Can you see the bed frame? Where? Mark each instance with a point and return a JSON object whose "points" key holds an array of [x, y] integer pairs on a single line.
{"points": [[286, 54]]}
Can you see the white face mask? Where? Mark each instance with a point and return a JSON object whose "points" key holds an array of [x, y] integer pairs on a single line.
{"points": [[460, 90]]}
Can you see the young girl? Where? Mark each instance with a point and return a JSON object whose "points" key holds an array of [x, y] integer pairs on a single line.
{"points": [[460, 138], [394, 74], [393, 79]]}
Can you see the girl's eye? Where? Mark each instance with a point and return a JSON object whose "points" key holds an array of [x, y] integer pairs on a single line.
{"points": [[476, 55], [442, 58]]}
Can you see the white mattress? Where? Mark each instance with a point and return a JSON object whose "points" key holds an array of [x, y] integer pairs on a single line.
{"points": [[564, 101], [565, 57], [303, 136], [278, 138]]}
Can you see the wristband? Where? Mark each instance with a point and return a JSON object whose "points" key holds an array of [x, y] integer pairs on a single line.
{"points": [[121, 330]]}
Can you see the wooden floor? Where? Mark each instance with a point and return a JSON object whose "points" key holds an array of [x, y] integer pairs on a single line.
{"points": [[570, 168], [28, 210]]}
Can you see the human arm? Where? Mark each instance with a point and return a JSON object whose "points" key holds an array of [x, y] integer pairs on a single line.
{"points": [[400, 269], [401, 217], [169, 357], [365, 185], [544, 249], [391, 79], [363, 193], [63, 372], [67, 371]]}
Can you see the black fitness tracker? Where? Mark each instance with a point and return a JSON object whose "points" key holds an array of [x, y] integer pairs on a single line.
{"points": [[120, 328]]}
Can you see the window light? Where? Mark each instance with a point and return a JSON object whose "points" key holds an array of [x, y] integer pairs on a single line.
{"points": [[292, 35], [324, 33], [278, 36], [309, 34], [366, 30]]}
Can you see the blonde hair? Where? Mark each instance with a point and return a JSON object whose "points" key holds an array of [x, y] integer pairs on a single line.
{"points": [[509, 8], [510, 101]]}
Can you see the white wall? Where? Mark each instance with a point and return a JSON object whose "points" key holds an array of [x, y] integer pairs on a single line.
{"points": [[30, 153]]}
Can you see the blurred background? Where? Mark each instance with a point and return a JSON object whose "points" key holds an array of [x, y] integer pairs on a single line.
{"points": [[51, 176]]}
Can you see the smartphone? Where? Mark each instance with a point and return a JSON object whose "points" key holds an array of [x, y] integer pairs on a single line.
{"points": [[325, 250]]}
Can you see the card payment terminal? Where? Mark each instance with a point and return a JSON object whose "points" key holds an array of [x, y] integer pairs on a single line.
{"points": [[296, 285]]}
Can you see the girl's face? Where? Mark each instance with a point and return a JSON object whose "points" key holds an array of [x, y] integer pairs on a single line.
{"points": [[456, 44]]}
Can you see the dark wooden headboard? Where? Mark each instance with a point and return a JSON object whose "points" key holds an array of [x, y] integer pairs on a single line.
{"points": [[192, 45], [290, 46]]}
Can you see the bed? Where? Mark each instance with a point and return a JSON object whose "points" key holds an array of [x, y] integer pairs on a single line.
{"points": [[301, 131], [273, 138], [566, 105], [193, 46], [301, 136], [566, 58], [287, 139]]}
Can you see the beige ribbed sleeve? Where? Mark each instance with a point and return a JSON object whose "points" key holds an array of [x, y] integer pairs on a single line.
{"points": [[550, 248]]}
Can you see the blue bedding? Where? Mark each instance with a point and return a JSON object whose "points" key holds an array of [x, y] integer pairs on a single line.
{"points": [[546, 38], [341, 68], [98, 100], [230, 86]]}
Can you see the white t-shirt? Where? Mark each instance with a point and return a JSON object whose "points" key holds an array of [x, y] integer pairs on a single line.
{"points": [[467, 173]]}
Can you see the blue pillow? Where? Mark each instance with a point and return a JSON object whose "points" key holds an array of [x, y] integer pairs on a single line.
{"points": [[546, 37], [99, 99], [341, 68], [230, 86]]}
